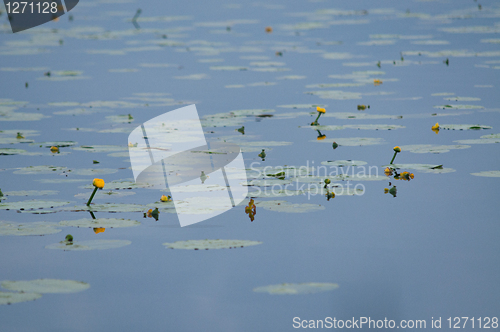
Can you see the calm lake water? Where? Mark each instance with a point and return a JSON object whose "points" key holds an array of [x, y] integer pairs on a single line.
{"points": [[431, 251]]}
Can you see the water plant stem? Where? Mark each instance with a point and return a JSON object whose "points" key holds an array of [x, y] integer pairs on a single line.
{"points": [[395, 153], [92, 196]]}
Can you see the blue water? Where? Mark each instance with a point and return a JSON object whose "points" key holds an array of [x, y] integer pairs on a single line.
{"points": [[432, 251]]}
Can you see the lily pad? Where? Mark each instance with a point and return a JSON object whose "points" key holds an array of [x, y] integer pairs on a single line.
{"points": [[485, 139], [32, 205], [101, 194], [268, 182], [353, 141], [101, 148], [210, 244], [44, 286], [117, 185], [374, 127], [430, 148], [425, 168], [284, 206], [294, 289], [9, 298], [463, 127], [100, 223], [40, 169], [60, 144], [88, 245], [490, 174], [11, 151], [93, 171], [26, 229], [459, 106], [343, 163]]}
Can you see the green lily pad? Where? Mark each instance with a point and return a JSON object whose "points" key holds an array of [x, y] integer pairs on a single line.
{"points": [[360, 116], [45, 286], [9, 298], [291, 77], [11, 151], [425, 168], [374, 127], [210, 244], [60, 181], [272, 193], [459, 106], [27, 229], [491, 174], [294, 289], [228, 68], [303, 106], [107, 207], [268, 182], [32, 205], [121, 118], [101, 148], [353, 141], [31, 193], [88, 245], [14, 140], [194, 188], [40, 169], [430, 148], [485, 139], [335, 94], [462, 98], [118, 185], [463, 127], [100, 223], [101, 194], [343, 163], [93, 171], [60, 144], [284, 206], [20, 116], [279, 171]]}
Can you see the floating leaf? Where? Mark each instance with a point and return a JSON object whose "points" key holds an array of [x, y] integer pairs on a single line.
{"points": [[374, 127], [210, 244], [93, 171], [430, 148], [101, 148], [459, 106], [44, 286], [284, 206], [60, 144], [88, 245], [117, 185], [485, 139], [425, 168], [293, 289], [353, 141], [26, 229], [61, 181], [108, 207], [268, 182], [343, 163], [100, 223], [11, 151], [31, 193], [9, 298], [101, 194], [463, 127], [40, 169], [32, 205], [491, 174]]}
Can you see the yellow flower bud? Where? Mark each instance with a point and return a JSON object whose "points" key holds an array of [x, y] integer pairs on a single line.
{"points": [[377, 82], [397, 149], [165, 198], [269, 29], [436, 126], [321, 137], [412, 175], [54, 149], [320, 109], [386, 190], [99, 230], [388, 171], [98, 183]]}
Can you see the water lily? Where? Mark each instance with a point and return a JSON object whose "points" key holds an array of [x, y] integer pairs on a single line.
{"points": [[251, 209], [19, 136], [377, 82], [320, 111], [269, 29], [54, 149], [320, 136], [98, 230], [435, 128], [98, 184], [335, 145], [363, 107], [388, 171], [327, 182], [396, 149], [329, 194], [69, 238], [165, 198]]}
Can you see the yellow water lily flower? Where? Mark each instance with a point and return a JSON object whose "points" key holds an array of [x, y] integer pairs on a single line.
{"points": [[397, 149], [320, 109], [386, 190], [269, 29], [98, 230], [436, 126], [377, 82], [19, 136], [98, 183], [54, 149], [165, 198], [388, 171]]}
